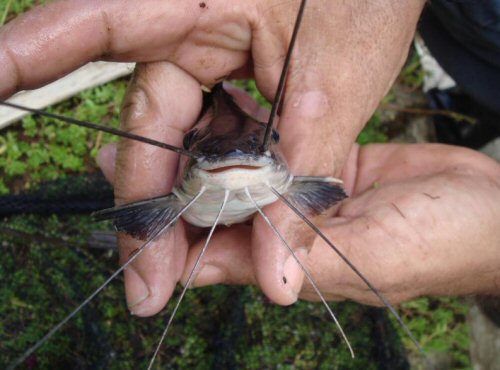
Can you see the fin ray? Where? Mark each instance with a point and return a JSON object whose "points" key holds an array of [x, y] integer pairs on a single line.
{"points": [[314, 194], [143, 218]]}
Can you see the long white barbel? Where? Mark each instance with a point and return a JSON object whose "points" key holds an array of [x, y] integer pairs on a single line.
{"points": [[306, 273]]}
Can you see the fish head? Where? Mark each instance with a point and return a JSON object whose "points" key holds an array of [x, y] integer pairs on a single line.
{"points": [[227, 139]]}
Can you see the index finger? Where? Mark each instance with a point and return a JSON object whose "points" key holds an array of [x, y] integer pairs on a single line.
{"points": [[161, 103], [51, 41]]}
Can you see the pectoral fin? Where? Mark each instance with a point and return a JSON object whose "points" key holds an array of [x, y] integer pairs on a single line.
{"points": [[314, 194], [143, 218]]}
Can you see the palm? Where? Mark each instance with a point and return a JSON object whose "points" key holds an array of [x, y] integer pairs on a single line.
{"points": [[184, 43], [414, 225]]}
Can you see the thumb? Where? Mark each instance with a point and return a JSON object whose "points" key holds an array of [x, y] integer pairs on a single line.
{"points": [[279, 253], [162, 102]]}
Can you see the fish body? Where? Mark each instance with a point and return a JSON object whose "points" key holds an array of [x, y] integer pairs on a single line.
{"points": [[239, 207], [231, 170], [227, 156]]}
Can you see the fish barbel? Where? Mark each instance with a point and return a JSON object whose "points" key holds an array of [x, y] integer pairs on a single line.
{"points": [[227, 156], [232, 168]]}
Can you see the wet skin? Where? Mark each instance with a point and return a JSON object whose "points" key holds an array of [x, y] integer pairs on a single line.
{"points": [[343, 66]]}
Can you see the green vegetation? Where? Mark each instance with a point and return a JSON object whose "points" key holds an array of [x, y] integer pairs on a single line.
{"points": [[374, 131], [42, 282], [42, 149], [11, 8], [440, 324], [217, 327], [412, 74]]}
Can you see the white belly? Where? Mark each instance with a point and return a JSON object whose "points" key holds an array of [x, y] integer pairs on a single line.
{"points": [[239, 207]]}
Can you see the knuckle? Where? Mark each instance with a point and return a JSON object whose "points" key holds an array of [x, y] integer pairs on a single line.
{"points": [[137, 102]]}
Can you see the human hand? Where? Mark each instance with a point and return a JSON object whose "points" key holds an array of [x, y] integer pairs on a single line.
{"points": [[421, 220], [346, 58]]}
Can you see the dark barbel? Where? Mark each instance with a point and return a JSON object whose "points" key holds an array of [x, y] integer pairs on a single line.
{"points": [[284, 73], [97, 127], [379, 294]]}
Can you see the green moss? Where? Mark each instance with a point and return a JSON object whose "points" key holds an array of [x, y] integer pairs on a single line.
{"points": [[373, 132], [41, 148], [412, 75], [440, 326], [217, 327]]}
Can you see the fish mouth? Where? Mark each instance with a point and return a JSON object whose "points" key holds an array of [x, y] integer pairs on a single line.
{"points": [[234, 167], [249, 164]]}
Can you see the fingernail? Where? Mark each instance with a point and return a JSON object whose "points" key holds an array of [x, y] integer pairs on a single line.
{"points": [[136, 291], [293, 276], [106, 158], [106, 155], [209, 275]]}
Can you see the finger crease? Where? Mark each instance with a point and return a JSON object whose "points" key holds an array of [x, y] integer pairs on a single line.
{"points": [[356, 171], [108, 30], [18, 82]]}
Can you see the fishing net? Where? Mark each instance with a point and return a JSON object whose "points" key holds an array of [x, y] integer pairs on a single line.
{"points": [[75, 194], [54, 255]]}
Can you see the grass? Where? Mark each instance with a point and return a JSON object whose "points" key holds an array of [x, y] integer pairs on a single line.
{"points": [[440, 324], [41, 149], [41, 282]]}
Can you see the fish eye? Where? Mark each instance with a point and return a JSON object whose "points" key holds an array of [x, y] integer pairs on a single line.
{"points": [[188, 139], [275, 136]]}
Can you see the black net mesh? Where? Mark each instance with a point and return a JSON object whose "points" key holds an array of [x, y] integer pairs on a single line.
{"points": [[74, 194], [47, 268]]}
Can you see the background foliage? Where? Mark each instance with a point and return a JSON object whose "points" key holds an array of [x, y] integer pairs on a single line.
{"points": [[219, 327]]}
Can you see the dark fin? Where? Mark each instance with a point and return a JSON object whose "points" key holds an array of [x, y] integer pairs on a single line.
{"points": [[344, 258], [303, 268], [143, 218], [225, 105], [208, 100], [314, 194], [21, 359]]}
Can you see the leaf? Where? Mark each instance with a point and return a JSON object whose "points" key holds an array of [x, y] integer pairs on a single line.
{"points": [[16, 168]]}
